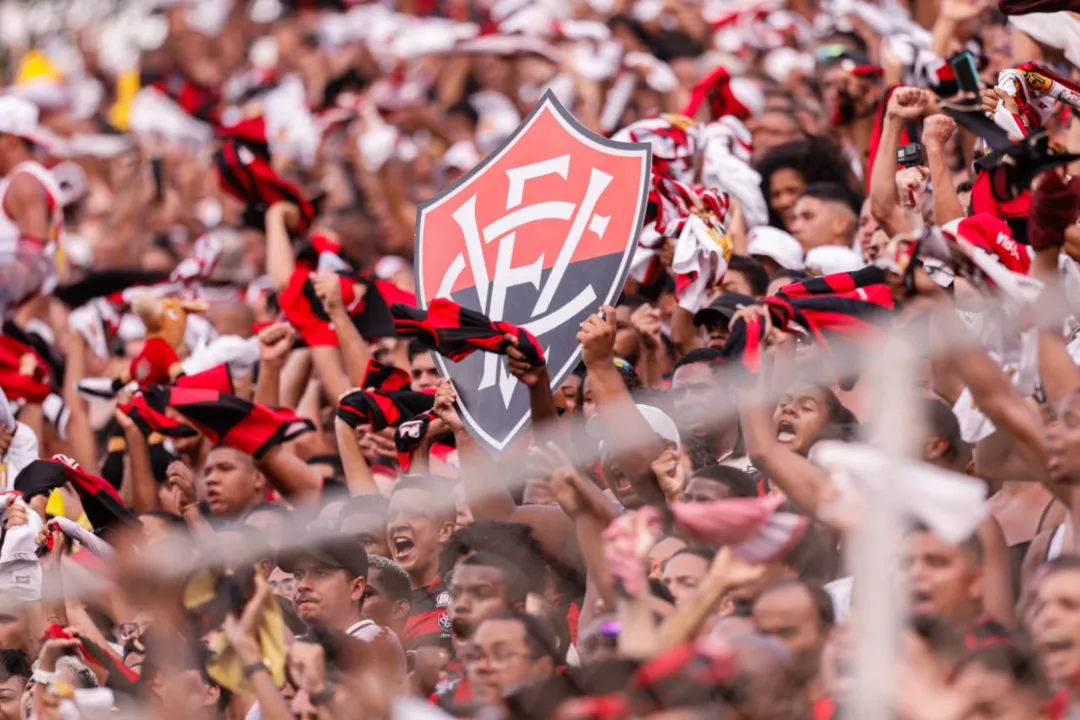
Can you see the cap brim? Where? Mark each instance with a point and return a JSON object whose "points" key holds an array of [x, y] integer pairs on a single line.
{"points": [[711, 315], [288, 562]]}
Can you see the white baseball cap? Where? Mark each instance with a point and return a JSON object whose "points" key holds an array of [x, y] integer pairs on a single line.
{"points": [[20, 117], [660, 422], [829, 259], [776, 244]]}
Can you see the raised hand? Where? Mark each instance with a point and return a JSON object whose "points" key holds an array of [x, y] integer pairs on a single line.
{"points": [[275, 344], [937, 130], [597, 338], [519, 367], [646, 320], [444, 408], [670, 474], [179, 476], [907, 103], [328, 289], [243, 632]]}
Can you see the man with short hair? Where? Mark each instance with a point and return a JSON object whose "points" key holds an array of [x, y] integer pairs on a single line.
{"points": [[947, 581], [510, 649], [800, 615], [422, 367], [330, 583], [824, 216], [482, 585], [233, 483], [745, 275], [386, 598], [419, 520], [1055, 629], [683, 572], [698, 398], [719, 482]]}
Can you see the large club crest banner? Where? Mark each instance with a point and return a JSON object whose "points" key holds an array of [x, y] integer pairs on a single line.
{"points": [[540, 234]]}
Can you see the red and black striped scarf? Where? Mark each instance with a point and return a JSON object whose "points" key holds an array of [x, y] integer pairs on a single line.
{"points": [[366, 298], [833, 310], [246, 173], [456, 332], [226, 419]]}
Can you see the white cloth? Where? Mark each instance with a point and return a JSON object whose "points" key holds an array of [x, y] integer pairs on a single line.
{"points": [[1060, 30], [20, 572], [7, 413], [840, 592], [950, 504], [697, 251], [22, 451]]}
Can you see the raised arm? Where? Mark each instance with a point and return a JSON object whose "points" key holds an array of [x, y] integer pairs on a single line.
{"points": [[937, 130], [905, 104], [617, 409], [275, 344]]}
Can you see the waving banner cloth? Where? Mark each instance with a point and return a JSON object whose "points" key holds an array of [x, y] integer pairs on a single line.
{"points": [[365, 299], [247, 175], [456, 332], [103, 505], [832, 310], [383, 409], [385, 378], [226, 419]]}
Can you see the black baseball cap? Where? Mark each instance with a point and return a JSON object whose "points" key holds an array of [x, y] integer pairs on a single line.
{"points": [[343, 552], [723, 308]]}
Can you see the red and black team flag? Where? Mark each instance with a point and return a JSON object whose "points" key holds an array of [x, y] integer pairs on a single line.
{"points": [[539, 235], [226, 419], [147, 410], [149, 416], [385, 378], [364, 297], [100, 500], [455, 332], [383, 409], [830, 310], [247, 175], [119, 676], [196, 100]]}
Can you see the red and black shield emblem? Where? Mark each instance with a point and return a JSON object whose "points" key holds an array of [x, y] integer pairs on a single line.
{"points": [[540, 234]]}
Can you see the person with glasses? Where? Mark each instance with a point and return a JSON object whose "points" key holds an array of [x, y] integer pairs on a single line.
{"points": [[509, 649]]}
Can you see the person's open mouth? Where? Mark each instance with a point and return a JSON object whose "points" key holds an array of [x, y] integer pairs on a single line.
{"points": [[785, 431], [402, 545]]}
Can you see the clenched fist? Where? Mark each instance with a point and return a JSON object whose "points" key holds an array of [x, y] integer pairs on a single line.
{"points": [[907, 103], [275, 343], [597, 338]]}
